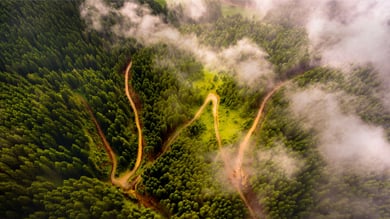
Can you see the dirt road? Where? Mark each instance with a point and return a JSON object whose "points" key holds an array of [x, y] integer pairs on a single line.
{"points": [[245, 142], [237, 175], [107, 145], [214, 99], [124, 178]]}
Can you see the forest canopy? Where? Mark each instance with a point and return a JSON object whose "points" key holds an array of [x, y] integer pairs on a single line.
{"points": [[161, 109]]}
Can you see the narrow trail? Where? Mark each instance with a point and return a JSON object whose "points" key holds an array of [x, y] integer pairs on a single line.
{"points": [[123, 180], [214, 99], [236, 174], [238, 177], [128, 174], [244, 144], [107, 146]]}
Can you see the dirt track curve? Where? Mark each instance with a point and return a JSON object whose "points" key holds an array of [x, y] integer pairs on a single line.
{"points": [[245, 142], [214, 99], [237, 175], [107, 146], [124, 179]]}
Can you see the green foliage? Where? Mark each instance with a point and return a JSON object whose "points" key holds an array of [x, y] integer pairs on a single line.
{"points": [[319, 75], [89, 198], [361, 87], [283, 196], [39, 139], [182, 181], [287, 47], [350, 194], [165, 101], [235, 96], [158, 6], [52, 40], [47, 137], [53, 163]]}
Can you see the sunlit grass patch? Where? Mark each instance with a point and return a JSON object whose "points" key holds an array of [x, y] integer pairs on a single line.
{"points": [[209, 83]]}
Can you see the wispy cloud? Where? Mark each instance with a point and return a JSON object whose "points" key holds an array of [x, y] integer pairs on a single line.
{"points": [[346, 142], [343, 32], [244, 59], [194, 10]]}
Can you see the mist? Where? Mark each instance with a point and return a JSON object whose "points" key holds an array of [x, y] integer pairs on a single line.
{"points": [[286, 161], [194, 10], [345, 141], [342, 33], [256, 162], [247, 61]]}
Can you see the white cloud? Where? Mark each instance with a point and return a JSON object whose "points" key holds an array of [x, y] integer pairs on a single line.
{"points": [[194, 9], [244, 59], [346, 142]]}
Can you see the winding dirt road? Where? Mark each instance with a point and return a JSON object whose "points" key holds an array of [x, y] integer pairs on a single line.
{"points": [[214, 99], [245, 142], [124, 179], [237, 176], [107, 145]]}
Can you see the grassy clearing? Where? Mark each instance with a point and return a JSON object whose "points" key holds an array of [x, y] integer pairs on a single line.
{"points": [[208, 83], [231, 122], [230, 125]]}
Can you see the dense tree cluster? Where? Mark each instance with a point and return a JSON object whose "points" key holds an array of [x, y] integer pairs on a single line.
{"points": [[87, 198], [55, 72], [287, 47], [47, 35], [166, 101], [48, 73], [351, 194], [182, 180], [283, 196]]}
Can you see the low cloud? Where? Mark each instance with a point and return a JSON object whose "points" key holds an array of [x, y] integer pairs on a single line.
{"points": [[347, 32], [279, 157], [282, 158], [345, 141], [245, 59], [94, 11], [342, 33], [194, 10]]}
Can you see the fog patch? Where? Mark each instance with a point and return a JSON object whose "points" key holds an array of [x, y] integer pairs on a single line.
{"points": [[189, 8], [285, 160], [247, 61], [352, 32], [279, 157], [345, 141], [95, 11]]}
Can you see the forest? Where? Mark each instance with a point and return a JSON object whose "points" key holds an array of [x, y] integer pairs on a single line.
{"points": [[63, 96]]}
